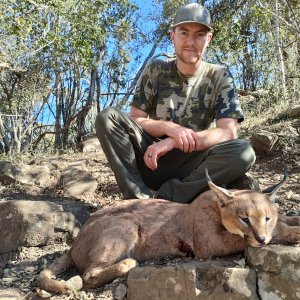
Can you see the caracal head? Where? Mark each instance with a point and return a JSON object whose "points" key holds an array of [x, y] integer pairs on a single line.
{"points": [[248, 213]]}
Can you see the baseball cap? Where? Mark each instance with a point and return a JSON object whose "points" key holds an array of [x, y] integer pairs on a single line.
{"points": [[192, 13]]}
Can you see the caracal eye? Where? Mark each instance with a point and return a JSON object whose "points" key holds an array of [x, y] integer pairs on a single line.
{"points": [[245, 220], [267, 219]]}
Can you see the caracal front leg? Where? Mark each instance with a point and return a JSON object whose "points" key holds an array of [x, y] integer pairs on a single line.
{"points": [[289, 220], [219, 244], [285, 234]]}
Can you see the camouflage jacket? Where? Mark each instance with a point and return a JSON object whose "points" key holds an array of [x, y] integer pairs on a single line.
{"points": [[194, 102]]}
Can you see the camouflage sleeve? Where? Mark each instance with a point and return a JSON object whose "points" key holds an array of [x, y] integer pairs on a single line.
{"points": [[227, 104], [144, 94]]}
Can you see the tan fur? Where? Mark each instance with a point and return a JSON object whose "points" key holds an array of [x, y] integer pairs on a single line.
{"points": [[115, 238]]}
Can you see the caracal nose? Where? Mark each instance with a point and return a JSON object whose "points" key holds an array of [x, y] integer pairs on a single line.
{"points": [[261, 239]]}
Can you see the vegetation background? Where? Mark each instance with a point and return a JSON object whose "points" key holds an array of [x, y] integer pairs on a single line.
{"points": [[63, 61]]}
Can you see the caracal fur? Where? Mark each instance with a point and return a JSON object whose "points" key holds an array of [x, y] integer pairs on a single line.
{"points": [[219, 222]]}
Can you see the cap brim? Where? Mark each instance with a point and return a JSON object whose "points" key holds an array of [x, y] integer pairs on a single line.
{"points": [[186, 22]]}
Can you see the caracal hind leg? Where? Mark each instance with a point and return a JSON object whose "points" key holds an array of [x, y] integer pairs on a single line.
{"points": [[285, 234], [107, 258], [46, 280], [289, 220], [96, 276]]}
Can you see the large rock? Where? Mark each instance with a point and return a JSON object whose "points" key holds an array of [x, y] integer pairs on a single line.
{"points": [[73, 176], [78, 182], [197, 280], [219, 282], [245, 182], [36, 223], [272, 273], [90, 143], [278, 271], [264, 142], [291, 112], [41, 176]]}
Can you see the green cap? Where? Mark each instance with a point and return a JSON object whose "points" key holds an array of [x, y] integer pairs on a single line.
{"points": [[192, 13]]}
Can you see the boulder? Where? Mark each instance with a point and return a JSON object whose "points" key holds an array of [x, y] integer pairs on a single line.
{"points": [[41, 176], [290, 113], [151, 283], [196, 280], [278, 269], [219, 282], [245, 182], [78, 182], [74, 176], [36, 223], [264, 142], [90, 143]]}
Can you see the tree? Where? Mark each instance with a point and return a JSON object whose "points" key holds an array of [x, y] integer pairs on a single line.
{"points": [[66, 40]]}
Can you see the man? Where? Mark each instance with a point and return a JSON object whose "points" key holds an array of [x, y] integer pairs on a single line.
{"points": [[169, 139]]}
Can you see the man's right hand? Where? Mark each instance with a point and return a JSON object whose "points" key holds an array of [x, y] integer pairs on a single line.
{"points": [[186, 139]]}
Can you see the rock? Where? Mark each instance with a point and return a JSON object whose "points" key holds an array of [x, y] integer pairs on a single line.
{"points": [[13, 294], [245, 182], [292, 112], [218, 282], [78, 182], [191, 281], [74, 176], [264, 142], [120, 292], [34, 223], [41, 176], [90, 143], [289, 133], [278, 270], [75, 283], [150, 283], [6, 173]]}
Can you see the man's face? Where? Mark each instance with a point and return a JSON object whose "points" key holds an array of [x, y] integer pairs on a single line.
{"points": [[190, 41]]}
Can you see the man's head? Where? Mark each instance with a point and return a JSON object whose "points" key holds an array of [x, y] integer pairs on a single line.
{"points": [[192, 13], [191, 33]]}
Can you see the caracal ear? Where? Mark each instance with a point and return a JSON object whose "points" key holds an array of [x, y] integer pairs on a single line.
{"points": [[272, 190], [224, 195]]}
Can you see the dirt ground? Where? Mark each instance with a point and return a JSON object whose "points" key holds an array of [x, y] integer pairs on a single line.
{"points": [[22, 267]]}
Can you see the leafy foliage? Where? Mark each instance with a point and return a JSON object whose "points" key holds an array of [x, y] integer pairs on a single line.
{"points": [[61, 62]]}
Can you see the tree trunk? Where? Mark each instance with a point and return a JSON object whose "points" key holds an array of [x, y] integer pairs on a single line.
{"points": [[58, 113], [278, 48], [89, 103]]}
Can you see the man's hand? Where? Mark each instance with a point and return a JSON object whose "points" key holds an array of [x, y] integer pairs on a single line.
{"points": [[180, 137], [186, 139], [156, 150]]}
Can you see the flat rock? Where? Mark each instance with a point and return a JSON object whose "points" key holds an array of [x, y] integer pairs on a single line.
{"points": [[197, 280]]}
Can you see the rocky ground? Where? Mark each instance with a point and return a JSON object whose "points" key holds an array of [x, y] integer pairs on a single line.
{"points": [[18, 269]]}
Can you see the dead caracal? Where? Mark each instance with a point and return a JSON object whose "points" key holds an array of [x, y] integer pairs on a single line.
{"points": [[219, 222]]}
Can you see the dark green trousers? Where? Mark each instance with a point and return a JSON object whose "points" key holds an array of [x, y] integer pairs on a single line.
{"points": [[180, 176]]}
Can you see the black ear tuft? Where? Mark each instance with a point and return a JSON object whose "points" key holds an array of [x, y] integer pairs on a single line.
{"points": [[272, 190]]}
